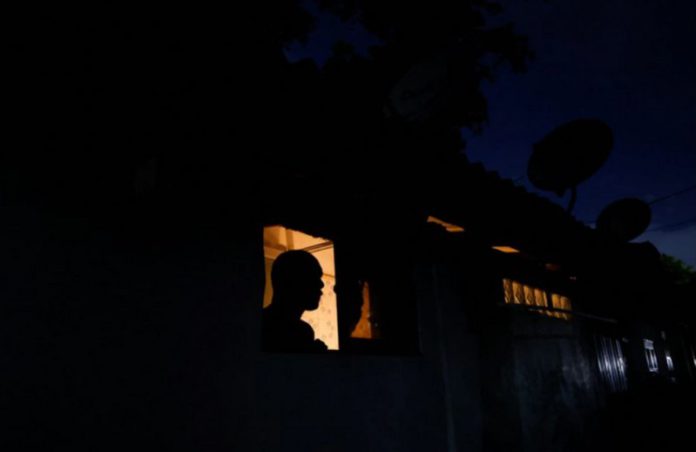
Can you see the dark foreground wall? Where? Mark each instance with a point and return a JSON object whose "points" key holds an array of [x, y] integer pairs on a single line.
{"points": [[149, 336], [148, 333], [112, 338], [542, 390], [556, 384]]}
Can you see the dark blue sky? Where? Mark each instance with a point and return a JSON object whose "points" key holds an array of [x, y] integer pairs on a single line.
{"points": [[631, 63]]}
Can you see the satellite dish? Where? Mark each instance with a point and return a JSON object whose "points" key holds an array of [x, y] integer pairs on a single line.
{"points": [[625, 219], [439, 84], [421, 92], [568, 155]]}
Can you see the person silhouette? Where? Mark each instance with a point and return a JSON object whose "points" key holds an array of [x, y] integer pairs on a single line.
{"points": [[297, 287]]}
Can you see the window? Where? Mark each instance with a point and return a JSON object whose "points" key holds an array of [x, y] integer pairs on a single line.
{"points": [[560, 302], [376, 296], [668, 359], [358, 307], [650, 355], [611, 363], [368, 302], [523, 294], [668, 354], [449, 227], [367, 327], [323, 320], [506, 249]]}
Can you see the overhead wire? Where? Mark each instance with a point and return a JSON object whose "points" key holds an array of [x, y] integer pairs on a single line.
{"points": [[671, 195], [672, 225]]}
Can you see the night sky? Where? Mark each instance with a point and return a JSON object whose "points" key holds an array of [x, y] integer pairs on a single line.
{"points": [[629, 63]]}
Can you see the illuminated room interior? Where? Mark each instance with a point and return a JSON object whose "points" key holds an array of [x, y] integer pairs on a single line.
{"points": [[522, 294], [324, 320]]}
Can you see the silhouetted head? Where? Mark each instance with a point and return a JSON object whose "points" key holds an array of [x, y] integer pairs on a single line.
{"points": [[296, 278]]}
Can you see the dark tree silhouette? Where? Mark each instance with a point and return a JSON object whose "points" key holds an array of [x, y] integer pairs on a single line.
{"points": [[678, 271], [110, 106]]}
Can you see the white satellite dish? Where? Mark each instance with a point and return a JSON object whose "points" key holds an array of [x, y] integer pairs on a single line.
{"points": [[422, 92]]}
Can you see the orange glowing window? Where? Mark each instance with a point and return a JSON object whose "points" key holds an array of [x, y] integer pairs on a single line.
{"points": [[508, 291], [323, 320], [562, 303], [367, 327], [449, 227], [515, 292], [506, 249], [377, 305]]}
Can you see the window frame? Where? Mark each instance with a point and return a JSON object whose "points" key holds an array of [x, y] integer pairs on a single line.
{"points": [[356, 265]]}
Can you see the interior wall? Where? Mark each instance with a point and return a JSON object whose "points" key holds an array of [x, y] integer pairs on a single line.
{"points": [[324, 319]]}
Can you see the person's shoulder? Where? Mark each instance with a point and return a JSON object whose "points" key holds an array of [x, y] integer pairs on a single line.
{"points": [[306, 329], [319, 346], [288, 335], [315, 345]]}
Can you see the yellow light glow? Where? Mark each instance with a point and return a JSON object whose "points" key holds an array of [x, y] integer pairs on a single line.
{"points": [[506, 249], [449, 227], [517, 293], [364, 328], [324, 320]]}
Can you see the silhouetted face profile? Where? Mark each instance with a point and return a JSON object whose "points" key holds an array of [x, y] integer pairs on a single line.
{"points": [[296, 278]]}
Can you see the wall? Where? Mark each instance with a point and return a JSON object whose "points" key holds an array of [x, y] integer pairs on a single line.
{"points": [[556, 384], [341, 402], [541, 388], [148, 334], [113, 337]]}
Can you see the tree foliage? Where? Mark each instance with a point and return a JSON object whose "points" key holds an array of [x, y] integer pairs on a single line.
{"points": [[209, 95], [678, 271]]}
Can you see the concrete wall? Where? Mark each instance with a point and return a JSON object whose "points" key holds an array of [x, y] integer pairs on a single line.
{"points": [[150, 335], [408, 403], [541, 388], [123, 336], [113, 338], [556, 384]]}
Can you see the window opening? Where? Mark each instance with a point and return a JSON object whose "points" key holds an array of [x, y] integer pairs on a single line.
{"points": [[650, 355], [506, 249], [668, 358], [449, 227], [515, 292], [368, 326], [323, 320], [611, 363]]}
